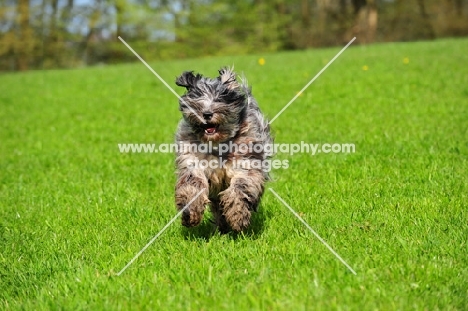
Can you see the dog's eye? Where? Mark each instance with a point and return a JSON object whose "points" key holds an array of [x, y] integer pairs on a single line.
{"points": [[229, 96]]}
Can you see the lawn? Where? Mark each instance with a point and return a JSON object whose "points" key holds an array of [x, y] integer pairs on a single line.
{"points": [[74, 210]]}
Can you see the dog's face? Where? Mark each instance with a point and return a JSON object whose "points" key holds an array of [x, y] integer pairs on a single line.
{"points": [[214, 108]]}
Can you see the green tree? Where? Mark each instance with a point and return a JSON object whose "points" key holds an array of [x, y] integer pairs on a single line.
{"points": [[24, 40]]}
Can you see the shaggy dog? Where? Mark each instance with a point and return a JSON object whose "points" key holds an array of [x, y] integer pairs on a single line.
{"points": [[221, 139]]}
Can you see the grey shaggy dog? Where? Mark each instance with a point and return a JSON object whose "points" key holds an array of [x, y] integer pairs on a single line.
{"points": [[215, 112]]}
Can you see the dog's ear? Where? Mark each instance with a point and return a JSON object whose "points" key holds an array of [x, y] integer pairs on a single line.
{"points": [[188, 80], [227, 76]]}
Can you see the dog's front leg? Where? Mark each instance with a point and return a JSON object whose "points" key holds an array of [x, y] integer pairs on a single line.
{"points": [[190, 182], [241, 197]]}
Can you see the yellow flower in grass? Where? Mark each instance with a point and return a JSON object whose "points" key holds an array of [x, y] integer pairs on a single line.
{"points": [[261, 61], [365, 68], [406, 60]]}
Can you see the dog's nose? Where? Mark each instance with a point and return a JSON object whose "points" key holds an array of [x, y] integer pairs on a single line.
{"points": [[207, 115]]}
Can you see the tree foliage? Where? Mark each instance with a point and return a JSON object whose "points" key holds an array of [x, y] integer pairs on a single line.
{"points": [[68, 33]]}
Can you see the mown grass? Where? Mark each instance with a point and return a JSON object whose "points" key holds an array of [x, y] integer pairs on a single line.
{"points": [[74, 211]]}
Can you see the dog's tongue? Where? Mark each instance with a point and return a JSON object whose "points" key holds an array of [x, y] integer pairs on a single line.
{"points": [[210, 130]]}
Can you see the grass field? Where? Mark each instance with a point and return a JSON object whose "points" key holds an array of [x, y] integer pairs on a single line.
{"points": [[74, 210]]}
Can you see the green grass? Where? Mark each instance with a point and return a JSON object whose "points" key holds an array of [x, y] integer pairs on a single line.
{"points": [[74, 211]]}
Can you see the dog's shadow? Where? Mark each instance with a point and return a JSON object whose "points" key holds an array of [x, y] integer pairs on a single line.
{"points": [[207, 229]]}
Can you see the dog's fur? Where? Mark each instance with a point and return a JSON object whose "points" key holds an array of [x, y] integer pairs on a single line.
{"points": [[231, 115]]}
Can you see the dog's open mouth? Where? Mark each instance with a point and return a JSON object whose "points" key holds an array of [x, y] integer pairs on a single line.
{"points": [[210, 129]]}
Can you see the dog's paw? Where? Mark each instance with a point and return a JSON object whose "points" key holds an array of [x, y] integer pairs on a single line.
{"points": [[236, 210], [193, 213], [191, 218]]}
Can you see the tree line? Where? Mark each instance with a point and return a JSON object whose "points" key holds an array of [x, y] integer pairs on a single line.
{"points": [[41, 34]]}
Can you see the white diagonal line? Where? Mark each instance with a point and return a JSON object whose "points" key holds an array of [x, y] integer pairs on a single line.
{"points": [[311, 81], [161, 79], [160, 232], [312, 230]]}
